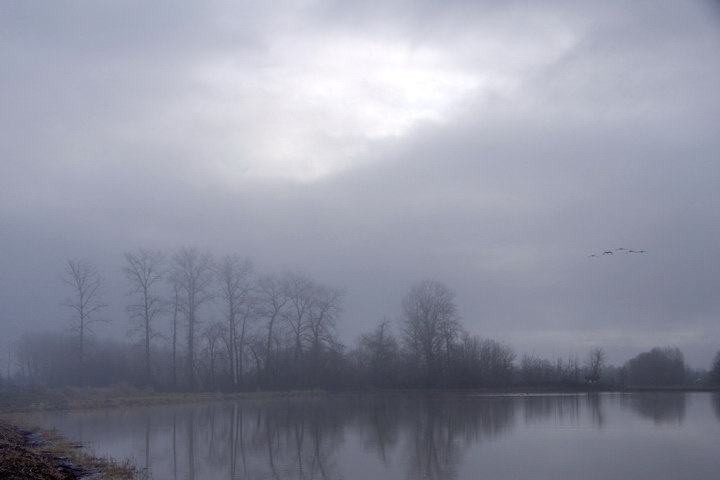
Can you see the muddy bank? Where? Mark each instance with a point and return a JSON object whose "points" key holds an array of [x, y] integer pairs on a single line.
{"points": [[33, 454]]}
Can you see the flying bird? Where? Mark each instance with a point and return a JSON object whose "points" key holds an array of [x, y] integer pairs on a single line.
{"points": [[609, 252]]}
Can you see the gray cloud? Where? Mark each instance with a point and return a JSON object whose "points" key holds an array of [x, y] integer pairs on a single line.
{"points": [[588, 127]]}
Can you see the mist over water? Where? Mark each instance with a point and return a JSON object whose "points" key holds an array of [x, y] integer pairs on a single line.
{"points": [[430, 436]]}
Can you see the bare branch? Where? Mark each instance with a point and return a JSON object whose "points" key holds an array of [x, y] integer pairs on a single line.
{"points": [[86, 304]]}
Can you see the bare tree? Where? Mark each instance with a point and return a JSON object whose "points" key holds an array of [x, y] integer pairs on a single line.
{"points": [[573, 368], [595, 361], [301, 293], [4, 364], [193, 272], [430, 322], [143, 271], [379, 351], [86, 303], [174, 304], [8, 359], [238, 296], [210, 355], [715, 369], [273, 297], [535, 370], [325, 310], [496, 361]]}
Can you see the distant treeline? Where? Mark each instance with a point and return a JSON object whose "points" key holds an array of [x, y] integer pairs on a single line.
{"points": [[202, 323]]}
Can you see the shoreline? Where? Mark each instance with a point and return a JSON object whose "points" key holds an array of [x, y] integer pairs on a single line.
{"points": [[26, 400], [29, 452]]}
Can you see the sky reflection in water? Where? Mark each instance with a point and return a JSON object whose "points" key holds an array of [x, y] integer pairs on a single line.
{"points": [[659, 436]]}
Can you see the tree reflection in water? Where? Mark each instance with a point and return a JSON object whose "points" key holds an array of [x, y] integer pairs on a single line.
{"points": [[380, 427], [443, 427], [594, 401], [299, 438], [540, 407], [661, 408], [419, 435]]}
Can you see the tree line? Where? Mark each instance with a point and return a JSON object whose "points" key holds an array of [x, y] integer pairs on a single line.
{"points": [[201, 322]]}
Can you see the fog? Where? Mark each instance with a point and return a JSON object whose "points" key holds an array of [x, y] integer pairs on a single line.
{"points": [[491, 146]]}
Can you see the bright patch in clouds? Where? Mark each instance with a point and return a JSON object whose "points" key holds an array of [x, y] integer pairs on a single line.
{"points": [[305, 107], [309, 108]]}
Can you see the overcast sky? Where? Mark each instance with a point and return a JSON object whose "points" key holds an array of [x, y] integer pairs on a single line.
{"points": [[491, 145]]}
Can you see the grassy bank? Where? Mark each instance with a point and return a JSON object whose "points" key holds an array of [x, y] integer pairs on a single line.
{"points": [[67, 398], [30, 453], [37, 399], [34, 454]]}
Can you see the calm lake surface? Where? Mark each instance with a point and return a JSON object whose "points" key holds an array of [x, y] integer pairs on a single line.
{"points": [[426, 436]]}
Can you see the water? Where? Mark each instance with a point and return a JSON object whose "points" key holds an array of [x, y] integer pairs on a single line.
{"points": [[444, 436]]}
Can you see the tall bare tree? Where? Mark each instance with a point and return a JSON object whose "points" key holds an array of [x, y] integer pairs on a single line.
{"points": [[174, 305], [237, 294], [595, 361], [273, 297], [193, 272], [430, 324], [144, 272], [301, 292], [211, 353], [8, 359], [379, 351], [714, 369], [86, 303], [325, 310], [482, 362]]}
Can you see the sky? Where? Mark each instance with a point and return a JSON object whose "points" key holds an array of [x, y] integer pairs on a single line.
{"points": [[490, 145]]}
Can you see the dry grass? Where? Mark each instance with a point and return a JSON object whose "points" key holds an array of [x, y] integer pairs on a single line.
{"points": [[40, 399], [26, 452], [31, 453]]}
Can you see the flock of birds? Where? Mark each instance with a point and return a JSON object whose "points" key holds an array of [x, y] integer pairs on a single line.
{"points": [[621, 249]]}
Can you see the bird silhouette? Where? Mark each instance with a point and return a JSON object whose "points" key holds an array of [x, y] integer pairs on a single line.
{"points": [[610, 252]]}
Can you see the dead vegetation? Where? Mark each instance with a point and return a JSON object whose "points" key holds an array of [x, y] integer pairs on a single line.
{"points": [[26, 452], [33, 454], [122, 395], [66, 398]]}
